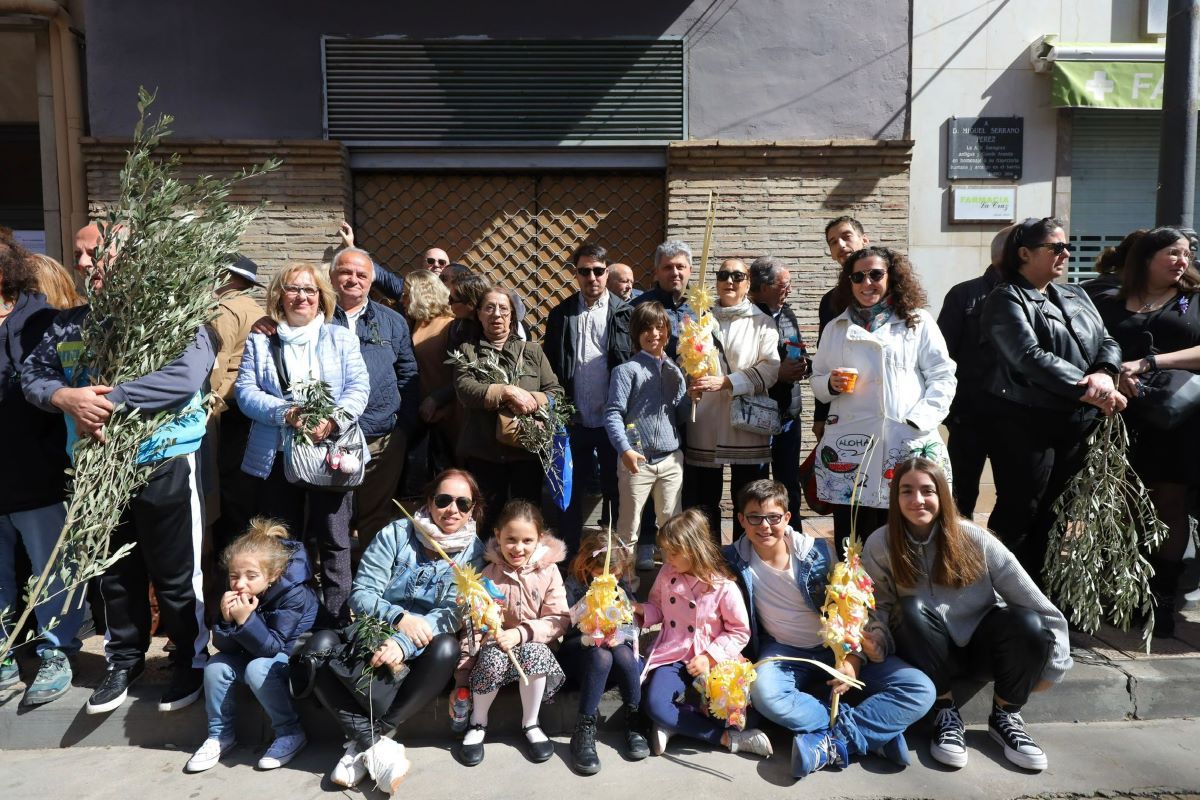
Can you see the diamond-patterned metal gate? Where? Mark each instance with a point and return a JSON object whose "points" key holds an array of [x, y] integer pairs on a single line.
{"points": [[518, 229]]}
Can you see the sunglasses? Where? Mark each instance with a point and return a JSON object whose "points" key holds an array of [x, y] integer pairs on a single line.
{"points": [[876, 275], [758, 519], [464, 504], [730, 275], [437, 261], [594, 272], [1058, 248]]}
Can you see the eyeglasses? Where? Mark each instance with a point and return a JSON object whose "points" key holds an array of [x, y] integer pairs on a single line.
{"points": [[292, 289], [758, 519], [497, 311], [464, 504], [730, 275], [444, 262], [1058, 248], [594, 272], [876, 275]]}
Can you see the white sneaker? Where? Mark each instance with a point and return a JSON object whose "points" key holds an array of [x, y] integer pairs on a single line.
{"points": [[387, 764], [658, 739], [209, 754], [282, 750], [350, 768], [949, 745], [750, 741], [645, 557]]}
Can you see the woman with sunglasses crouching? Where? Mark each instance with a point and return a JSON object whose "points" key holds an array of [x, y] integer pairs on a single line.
{"points": [[403, 582], [1055, 367], [884, 369]]}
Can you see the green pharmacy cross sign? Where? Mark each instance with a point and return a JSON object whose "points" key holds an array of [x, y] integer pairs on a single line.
{"points": [[1107, 84]]}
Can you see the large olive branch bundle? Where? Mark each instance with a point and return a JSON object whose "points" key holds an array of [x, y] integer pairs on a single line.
{"points": [[169, 243], [1096, 567]]}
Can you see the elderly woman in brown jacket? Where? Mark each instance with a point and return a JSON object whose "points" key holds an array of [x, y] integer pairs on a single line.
{"points": [[504, 472]]}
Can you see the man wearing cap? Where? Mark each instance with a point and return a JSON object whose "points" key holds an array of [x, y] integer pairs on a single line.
{"points": [[238, 312]]}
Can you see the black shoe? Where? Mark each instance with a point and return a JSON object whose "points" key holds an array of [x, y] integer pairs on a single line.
{"points": [[583, 746], [636, 746], [538, 752], [114, 688], [1163, 586], [1007, 728], [185, 689], [469, 755]]}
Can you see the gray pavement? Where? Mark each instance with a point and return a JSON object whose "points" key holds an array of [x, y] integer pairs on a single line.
{"points": [[1112, 759]]}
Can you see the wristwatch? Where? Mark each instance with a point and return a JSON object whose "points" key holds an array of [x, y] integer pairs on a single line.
{"points": [[1151, 363]]}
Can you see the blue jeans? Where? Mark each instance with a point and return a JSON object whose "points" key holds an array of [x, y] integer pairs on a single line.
{"points": [[896, 696], [663, 701], [267, 679], [39, 529]]}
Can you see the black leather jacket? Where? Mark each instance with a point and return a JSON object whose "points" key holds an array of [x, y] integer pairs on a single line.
{"points": [[959, 321], [1045, 344]]}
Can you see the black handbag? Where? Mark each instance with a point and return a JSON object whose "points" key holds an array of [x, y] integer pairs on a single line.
{"points": [[374, 694], [1166, 398]]}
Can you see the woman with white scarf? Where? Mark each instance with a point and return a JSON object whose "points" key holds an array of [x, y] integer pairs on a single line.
{"points": [[403, 582], [301, 301], [747, 342]]}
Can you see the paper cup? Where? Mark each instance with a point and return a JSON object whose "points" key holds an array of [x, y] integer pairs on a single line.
{"points": [[851, 375]]}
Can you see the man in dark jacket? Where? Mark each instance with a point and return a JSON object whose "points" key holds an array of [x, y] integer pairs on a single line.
{"points": [[770, 284], [672, 269], [587, 336], [844, 236], [967, 421], [386, 347]]}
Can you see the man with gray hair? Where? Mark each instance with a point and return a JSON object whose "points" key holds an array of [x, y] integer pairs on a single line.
{"points": [[386, 347], [672, 268], [966, 422], [770, 284]]}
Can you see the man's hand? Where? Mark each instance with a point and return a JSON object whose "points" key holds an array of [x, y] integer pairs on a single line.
{"points": [[792, 370], [87, 406], [416, 629], [264, 325], [631, 459]]}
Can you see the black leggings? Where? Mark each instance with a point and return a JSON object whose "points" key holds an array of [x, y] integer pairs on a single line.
{"points": [[869, 518], [1011, 645], [429, 673]]}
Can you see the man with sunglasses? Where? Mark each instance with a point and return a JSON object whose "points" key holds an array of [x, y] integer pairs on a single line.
{"points": [[967, 422], [435, 260], [843, 235], [587, 336]]}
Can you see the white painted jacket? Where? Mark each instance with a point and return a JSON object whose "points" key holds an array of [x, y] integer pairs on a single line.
{"points": [[905, 375]]}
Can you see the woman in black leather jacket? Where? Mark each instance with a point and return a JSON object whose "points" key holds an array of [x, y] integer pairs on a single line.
{"points": [[1055, 367]]}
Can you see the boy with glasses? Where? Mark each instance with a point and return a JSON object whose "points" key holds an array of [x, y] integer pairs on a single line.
{"points": [[783, 574]]}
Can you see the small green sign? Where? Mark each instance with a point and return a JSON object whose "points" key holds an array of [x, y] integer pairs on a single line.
{"points": [[1107, 84]]}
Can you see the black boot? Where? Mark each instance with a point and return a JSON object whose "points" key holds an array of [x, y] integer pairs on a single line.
{"points": [[1163, 586], [583, 746], [636, 746]]}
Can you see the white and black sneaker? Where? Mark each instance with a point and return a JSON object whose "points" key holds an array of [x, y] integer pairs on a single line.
{"points": [[1007, 728], [186, 686], [949, 744], [114, 688]]}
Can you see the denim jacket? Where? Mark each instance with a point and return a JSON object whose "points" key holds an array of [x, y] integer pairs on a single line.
{"points": [[812, 574], [397, 577]]}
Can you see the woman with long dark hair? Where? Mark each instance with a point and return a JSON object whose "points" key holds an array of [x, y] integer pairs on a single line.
{"points": [[1155, 318], [953, 601], [1055, 372]]}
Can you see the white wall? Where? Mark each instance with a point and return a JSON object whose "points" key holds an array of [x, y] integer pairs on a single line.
{"points": [[972, 59]]}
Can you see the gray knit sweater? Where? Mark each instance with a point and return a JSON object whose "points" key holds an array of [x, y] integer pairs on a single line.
{"points": [[1004, 582]]}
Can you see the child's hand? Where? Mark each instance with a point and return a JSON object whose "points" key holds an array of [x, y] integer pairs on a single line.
{"points": [[243, 607], [700, 665], [851, 667], [507, 639], [227, 602], [640, 610], [631, 459], [872, 646]]}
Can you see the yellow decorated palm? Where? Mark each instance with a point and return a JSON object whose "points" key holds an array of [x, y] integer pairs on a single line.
{"points": [[726, 687], [605, 606]]}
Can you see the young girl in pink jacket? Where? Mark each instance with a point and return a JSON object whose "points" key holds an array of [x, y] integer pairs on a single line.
{"points": [[704, 622], [523, 564]]}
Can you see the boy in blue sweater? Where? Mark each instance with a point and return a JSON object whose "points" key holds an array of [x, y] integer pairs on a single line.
{"points": [[645, 396]]}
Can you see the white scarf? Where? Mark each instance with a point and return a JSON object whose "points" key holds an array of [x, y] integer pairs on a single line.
{"points": [[729, 313], [300, 350], [450, 542]]}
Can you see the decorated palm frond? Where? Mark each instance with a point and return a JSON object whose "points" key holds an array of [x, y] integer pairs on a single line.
{"points": [[697, 348], [605, 607]]}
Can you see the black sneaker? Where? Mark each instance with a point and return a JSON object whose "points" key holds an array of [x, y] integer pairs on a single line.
{"points": [[1007, 728], [186, 686], [949, 745], [114, 688]]}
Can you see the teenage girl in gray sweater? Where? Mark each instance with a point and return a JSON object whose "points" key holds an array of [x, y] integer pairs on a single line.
{"points": [[951, 599]]}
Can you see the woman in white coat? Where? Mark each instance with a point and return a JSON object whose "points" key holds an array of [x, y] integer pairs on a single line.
{"points": [[748, 347], [891, 409]]}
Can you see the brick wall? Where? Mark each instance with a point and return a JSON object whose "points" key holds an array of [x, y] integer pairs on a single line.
{"points": [[308, 196], [774, 198]]}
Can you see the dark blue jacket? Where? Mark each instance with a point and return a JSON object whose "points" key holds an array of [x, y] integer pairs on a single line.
{"points": [[386, 347], [562, 338], [812, 575], [285, 610], [33, 473]]}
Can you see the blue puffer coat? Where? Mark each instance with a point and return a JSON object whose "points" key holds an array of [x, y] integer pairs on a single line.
{"points": [[285, 610]]}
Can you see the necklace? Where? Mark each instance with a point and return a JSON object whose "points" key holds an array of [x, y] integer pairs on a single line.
{"points": [[1152, 306]]}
